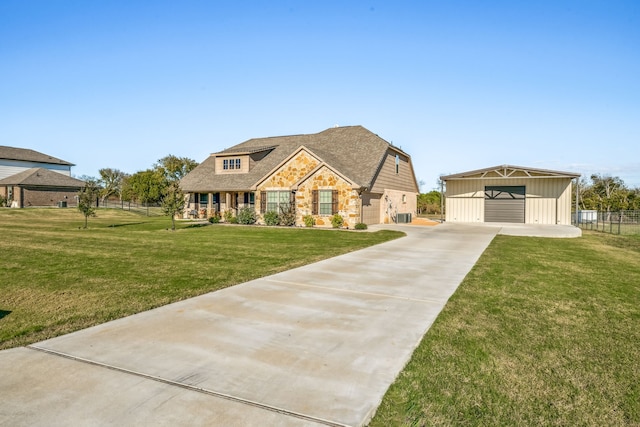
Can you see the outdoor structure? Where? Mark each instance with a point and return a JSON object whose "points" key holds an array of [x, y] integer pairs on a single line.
{"points": [[348, 171], [511, 194], [30, 178]]}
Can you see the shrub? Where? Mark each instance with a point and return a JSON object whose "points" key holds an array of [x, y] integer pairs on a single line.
{"points": [[309, 221], [3, 201], [287, 217], [337, 221], [215, 219], [361, 226], [271, 218], [247, 216], [233, 220], [228, 215]]}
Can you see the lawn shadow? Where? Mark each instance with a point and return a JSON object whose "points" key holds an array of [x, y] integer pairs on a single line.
{"points": [[4, 313], [198, 225], [124, 225]]}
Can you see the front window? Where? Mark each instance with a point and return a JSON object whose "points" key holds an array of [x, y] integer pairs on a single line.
{"points": [[397, 164], [204, 199], [277, 201], [249, 199], [325, 202], [230, 164]]}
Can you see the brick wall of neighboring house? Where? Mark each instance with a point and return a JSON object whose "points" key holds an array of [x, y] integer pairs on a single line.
{"points": [[47, 196], [325, 179]]}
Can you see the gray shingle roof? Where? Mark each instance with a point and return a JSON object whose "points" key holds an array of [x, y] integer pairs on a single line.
{"points": [[43, 178], [354, 151], [26, 155]]}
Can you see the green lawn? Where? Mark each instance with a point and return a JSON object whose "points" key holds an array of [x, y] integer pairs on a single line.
{"points": [[541, 332], [56, 278]]}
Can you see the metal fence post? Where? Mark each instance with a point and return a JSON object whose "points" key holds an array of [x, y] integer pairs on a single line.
{"points": [[619, 221]]}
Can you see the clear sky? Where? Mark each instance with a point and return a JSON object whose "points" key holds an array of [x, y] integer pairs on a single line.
{"points": [[459, 85]]}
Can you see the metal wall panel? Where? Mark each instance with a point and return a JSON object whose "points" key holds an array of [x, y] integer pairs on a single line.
{"points": [[548, 200]]}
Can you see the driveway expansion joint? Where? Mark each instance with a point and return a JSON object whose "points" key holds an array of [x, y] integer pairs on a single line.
{"points": [[351, 291], [190, 387]]}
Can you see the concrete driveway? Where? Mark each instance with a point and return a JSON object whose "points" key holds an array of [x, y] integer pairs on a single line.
{"points": [[317, 345]]}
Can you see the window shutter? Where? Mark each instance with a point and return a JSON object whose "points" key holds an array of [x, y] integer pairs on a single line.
{"points": [[314, 202], [263, 202], [292, 201], [334, 202]]}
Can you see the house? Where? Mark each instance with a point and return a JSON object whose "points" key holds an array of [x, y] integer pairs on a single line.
{"points": [[14, 160], [507, 193], [348, 171], [31, 178]]}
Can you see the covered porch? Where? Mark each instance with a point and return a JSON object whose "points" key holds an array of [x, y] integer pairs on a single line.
{"points": [[207, 204]]}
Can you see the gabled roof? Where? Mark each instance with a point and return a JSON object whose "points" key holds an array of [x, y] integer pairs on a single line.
{"points": [[26, 155], [42, 178], [353, 151], [510, 171]]}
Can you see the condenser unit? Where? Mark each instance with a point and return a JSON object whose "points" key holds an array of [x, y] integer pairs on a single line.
{"points": [[403, 218]]}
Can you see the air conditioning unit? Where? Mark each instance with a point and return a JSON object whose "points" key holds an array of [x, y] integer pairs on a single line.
{"points": [[403, 218]]}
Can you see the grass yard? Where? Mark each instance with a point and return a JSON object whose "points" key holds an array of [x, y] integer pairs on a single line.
{"points": [[541, 332], [56, 278]]}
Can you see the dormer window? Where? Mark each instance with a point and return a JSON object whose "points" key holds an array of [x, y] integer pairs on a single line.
{"points": [[229, 164]]}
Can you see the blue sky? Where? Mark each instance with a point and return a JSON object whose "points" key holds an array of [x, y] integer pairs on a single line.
{"points": [[459, 85]]}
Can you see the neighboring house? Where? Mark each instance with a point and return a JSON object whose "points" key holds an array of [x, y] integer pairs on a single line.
{"points": [[511, 194], [348, 171], [31, 178], [14, 160]]}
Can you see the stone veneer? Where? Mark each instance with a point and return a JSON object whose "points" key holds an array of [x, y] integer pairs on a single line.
{"points": [[325, 179], [291, 172]]}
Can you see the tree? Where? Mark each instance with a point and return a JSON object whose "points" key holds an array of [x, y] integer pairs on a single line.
{"points": [[173, 201], [606, 193], [175, 168], [86, 200], [111, 181], [145, 187], [429, 203]]}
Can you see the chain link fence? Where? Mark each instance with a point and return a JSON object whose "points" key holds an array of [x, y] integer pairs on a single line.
{"points": [[621, 222]]}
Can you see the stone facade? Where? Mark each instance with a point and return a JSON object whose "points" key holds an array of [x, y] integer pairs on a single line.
{"points": [[300, 167], [291, 172], [287, 175], [325, 179]]}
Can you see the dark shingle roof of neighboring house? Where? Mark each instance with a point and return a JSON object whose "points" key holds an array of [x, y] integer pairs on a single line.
{"points": [[26, 155], [42, 178], [353, 151]]}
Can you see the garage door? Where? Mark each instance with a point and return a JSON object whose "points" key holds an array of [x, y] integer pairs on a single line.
{"points": [[371, 208], [504, 203]]}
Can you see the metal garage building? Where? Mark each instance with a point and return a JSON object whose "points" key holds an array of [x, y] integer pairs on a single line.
{"points": [[508, 193]]}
